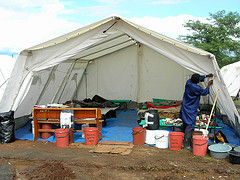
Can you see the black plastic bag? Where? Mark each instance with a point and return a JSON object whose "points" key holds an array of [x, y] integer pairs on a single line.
{"points": [[7, 127]]}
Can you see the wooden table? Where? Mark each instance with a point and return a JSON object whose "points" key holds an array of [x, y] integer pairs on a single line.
{"points": [[52, 116]]}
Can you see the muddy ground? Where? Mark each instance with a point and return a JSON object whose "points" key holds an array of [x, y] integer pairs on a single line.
{"points": [[24, 159]]}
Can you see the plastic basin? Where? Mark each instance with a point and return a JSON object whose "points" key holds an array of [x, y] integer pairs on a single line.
{"points": [[219, 151]]}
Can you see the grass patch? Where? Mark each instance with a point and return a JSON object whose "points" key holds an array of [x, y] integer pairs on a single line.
{"points": [[237, 102], [204, 159]]}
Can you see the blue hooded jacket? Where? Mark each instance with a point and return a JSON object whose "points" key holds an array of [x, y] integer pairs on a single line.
{"points": [[190, 102]]}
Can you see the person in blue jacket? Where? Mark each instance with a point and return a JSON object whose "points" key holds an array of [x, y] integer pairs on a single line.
{"points": [[190, 103]]}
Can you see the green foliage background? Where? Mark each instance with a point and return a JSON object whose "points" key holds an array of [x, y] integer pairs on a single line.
{"points": [[219, 36]]}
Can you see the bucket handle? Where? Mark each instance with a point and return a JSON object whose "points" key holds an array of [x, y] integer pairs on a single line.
{"points": [[201, 144], [159, 137], [62, 136], [140, 131]]}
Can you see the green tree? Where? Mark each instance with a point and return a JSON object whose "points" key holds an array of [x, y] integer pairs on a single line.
{"points": [[219, 36]]}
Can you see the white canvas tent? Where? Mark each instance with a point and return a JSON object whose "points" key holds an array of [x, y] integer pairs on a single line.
{"points": [[7, 63], [115, 59], [231, 76]]}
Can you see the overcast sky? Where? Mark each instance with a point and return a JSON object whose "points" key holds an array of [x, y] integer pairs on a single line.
{"points": [[25, 23]]}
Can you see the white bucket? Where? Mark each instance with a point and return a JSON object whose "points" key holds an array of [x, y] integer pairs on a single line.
{"points": [[203, 131], [161, 139], [150, 136]]}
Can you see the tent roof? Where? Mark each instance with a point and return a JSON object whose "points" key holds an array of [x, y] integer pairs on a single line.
{"points": [[113, 42]]}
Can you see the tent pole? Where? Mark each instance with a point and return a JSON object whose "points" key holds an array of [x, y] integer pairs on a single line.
{"points": [[79, 82], [2, 75], [47, 83], [56, 93], [66, 78], [139, 63], [4, 82], [85, 73]]}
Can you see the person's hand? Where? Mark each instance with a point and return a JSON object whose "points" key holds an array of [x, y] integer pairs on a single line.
{"points": [[210, 83], [209, 75]]}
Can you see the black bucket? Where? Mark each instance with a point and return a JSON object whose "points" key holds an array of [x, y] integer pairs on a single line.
{"points": [[234, 157], [153, 122]]}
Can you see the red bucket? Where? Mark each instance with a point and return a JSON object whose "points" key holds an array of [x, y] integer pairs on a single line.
{"points": [[138, 135], [91, 135], [175, 140], [200, 145], [46, 135], [62, 137]]}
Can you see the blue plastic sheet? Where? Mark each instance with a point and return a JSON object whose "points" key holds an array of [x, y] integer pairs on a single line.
{"points": [[230, 133]]}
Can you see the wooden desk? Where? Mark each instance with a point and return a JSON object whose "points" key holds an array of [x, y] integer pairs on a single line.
{"points": [[52, 116]]}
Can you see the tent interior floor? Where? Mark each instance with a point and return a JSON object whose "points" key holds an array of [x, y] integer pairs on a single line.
{"points": [[120, 129]]}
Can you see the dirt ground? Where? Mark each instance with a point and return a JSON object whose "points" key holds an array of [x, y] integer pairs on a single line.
{"points": [[37, 160]]}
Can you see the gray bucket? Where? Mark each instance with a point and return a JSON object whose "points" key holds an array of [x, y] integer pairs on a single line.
{"points": [[234, 157]]}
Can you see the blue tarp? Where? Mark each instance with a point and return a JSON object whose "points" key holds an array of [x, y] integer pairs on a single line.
{"points": [[120, 129]]}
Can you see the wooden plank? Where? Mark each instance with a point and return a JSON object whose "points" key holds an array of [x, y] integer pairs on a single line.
{"points": [[50, 122], [86, 121], [46, 130], [115, 143]]}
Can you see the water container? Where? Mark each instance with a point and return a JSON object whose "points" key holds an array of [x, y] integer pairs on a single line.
{"points": [[152, 120]]}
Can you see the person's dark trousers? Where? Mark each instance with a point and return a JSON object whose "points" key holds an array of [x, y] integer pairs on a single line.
{"points": [[188, 130]]}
